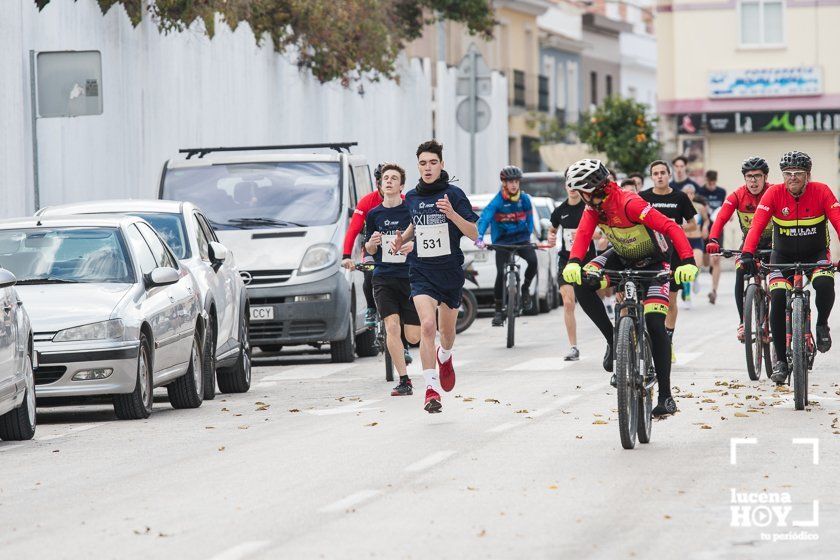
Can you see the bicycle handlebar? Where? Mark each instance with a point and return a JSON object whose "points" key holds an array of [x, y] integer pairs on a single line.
{"points": [[511, 247], [799, 266], [729, 253], [626, 274], [364, 267]]}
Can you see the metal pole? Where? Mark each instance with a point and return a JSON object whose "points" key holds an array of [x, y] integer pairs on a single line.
{"points": [[473, 116], [34, 114]]}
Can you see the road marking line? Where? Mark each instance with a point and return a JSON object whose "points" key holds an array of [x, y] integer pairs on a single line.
{"points": [[241, 550], [539, 364], [355, 407], [309, 372], [685, 357], [504, 427], [350, 501], [430, 461], [75, 430]]}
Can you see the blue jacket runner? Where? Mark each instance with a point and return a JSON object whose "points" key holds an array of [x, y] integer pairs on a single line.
{"points": [[511, 223]]}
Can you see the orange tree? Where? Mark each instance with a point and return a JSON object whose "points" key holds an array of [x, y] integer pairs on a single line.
{"points": [[343, 40], [621, 129]]}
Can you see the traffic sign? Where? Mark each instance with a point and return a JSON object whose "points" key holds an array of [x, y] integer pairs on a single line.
{"points": [[482, 115]]}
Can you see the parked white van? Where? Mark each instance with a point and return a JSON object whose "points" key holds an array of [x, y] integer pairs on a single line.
{"points": [[284, 215]]}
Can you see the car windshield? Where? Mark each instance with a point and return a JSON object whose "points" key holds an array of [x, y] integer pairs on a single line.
{"points": [[260, 195], [65, 255], [171, 228]]}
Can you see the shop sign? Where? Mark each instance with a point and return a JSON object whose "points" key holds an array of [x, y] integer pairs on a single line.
{"points": [[746, 122], [765, 82]]}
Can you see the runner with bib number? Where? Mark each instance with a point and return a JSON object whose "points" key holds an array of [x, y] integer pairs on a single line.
{"points": [[440, 215]]}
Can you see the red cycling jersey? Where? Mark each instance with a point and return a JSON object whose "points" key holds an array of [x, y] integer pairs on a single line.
{"points": [[799, 223], [636, 230], [745, 204]]}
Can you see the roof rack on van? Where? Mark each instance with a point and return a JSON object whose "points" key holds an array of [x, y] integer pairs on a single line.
{"points": [[201, 152]]}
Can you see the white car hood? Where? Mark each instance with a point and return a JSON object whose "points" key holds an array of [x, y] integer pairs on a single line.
{"points": [[273, 249], [53, 307]]}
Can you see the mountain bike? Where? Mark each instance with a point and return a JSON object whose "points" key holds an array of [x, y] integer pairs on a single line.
{"points": [[800, 346], [634, 370], [511, 293], [757, 338]]}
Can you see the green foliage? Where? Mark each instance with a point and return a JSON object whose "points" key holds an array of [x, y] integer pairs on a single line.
{"points": [[342, 39], [621, 129]]}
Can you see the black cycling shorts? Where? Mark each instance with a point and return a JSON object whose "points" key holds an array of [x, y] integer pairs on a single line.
{"points": [[393, 297]]}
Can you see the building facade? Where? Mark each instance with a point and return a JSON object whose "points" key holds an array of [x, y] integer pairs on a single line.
{"points": [[766, 83]]}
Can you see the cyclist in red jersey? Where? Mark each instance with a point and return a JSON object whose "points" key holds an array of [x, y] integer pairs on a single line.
{"points": [[744, 201], [800, 210], [640, 239]]}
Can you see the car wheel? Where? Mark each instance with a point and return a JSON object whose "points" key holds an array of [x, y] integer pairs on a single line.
{"points": [[187, 391], [237, 379], [209, 363], [343, 351], [19, 424], [366, 346], [137, 404]]}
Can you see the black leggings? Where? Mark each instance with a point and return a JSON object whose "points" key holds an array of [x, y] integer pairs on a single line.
{"points": [[739, 292], [528, 254], [824, 301], [367, 287], [659, 341]]}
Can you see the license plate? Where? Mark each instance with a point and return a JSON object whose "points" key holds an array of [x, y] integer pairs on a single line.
{"points": [[262, 313]]}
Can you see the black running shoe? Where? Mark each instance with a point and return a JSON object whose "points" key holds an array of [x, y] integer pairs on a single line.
{"points": [[780, 372], [498, 319], [608, 358], [823, 338], [403, 389], [665, 407]]}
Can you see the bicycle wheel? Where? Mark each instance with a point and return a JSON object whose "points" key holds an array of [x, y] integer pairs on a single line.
{"points": [[512, 304], [646, 400], [752, 332], [798, 350], [626, 373], [764, 332]]}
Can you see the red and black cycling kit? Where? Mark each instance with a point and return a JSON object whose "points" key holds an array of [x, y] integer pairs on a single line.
{"points": [[745, 204], [365, 205], [639, 233], [800, 223]]}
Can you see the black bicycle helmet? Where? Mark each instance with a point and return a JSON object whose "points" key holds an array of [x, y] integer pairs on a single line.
{"points": [[755, 163], [510, 172], [587, 175], [795, 160]]}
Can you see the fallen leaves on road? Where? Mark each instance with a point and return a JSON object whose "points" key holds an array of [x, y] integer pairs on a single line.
{"points": [[523, 411], [553, 487], [371, 425], [472, 488], [209, 427], [469, 399], [578, 437], [243, 427], [742, 415], [600, 422], [225, 409], [294, 410], [494, 401], [482, 533], [222, 448], [705, 427], [263, 407], [146, 532]]}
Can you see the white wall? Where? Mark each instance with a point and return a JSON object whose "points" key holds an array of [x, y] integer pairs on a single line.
{"points": [[491, 144], [162, 93], [638, 68]]}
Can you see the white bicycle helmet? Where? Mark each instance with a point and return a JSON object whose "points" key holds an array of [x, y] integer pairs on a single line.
{"points": [[587, 175]]}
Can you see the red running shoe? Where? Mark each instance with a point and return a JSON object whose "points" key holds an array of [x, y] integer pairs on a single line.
{"points": [[447, 373], [432, 401]]}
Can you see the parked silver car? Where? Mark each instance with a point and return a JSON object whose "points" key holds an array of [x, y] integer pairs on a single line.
{"points": [[113, 312], [222, 292], [17, 382]]}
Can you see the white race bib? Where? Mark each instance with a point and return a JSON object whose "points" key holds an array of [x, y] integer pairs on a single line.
{"points": [[388, 256], [432, 241], [569, 238]]}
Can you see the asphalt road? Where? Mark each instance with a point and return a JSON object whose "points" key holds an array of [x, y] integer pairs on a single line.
{"points": [[318, 461]]}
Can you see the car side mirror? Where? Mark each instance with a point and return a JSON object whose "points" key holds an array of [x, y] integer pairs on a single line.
{"points": [[7, 279], [163, 276], [218, 252], [350, 213]]}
